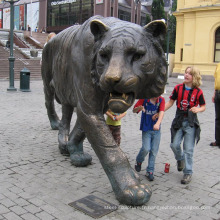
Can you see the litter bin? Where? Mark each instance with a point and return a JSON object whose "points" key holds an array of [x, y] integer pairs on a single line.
{"points": [[7, 44], [34, 53], [25, 80]]}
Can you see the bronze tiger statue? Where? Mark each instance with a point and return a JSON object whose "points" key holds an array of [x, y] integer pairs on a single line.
{"points": [[103, 63]]}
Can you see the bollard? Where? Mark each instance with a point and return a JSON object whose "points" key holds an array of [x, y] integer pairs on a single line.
{"points": [[25, 80]]}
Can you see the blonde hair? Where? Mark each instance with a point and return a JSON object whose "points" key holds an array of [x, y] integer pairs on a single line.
{"points": [[197, 79], [50, 35]]}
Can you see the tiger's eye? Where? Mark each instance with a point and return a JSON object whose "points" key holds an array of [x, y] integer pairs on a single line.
{"points": [[137, 56]]}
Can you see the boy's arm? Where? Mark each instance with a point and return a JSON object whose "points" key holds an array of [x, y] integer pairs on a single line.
{"points": [[160, 118], [110, 115], [138, 109], [118, 117], [169, 104], [138, 106], [198, 109]]}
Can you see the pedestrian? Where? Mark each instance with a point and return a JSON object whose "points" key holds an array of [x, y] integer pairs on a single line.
{"points": [[185, 126], [113, 121], [150, 132], [216, 100], [49, 36]]}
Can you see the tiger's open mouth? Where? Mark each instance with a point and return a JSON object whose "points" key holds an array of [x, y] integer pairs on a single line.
{"points": [[120, 102]]}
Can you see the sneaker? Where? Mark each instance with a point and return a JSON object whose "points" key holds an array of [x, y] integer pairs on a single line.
{"points": [[138, 167], [180, 165], [150, 176], [186, 178], [214, 144]]}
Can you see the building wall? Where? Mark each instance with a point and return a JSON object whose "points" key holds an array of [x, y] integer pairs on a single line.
{"points": [[42, 14], [107, 8], [197, 21]]}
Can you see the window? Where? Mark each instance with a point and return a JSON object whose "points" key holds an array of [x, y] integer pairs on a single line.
{"points": [[217, 46], [123, 15], [181, 54], [69, 12]]}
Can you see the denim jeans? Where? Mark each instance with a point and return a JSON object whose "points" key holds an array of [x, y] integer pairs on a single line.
{"points": [[188, 134], [150, 144]]}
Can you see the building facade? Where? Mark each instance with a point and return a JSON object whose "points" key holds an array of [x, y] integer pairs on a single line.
{"points": [[197, 35], [26, 14], [64, 13], [56, 15]]}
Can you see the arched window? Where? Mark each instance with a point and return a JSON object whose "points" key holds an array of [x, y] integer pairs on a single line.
{"points": [[217, 46]]}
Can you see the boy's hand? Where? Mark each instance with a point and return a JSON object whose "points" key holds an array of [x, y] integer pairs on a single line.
{"points": [[138, 109], [117, 118], [194, 109], [156, 127], [154, 117], [141, 108]]}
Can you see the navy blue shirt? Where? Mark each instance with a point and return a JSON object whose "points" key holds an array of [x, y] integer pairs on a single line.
{"points": [[151, 109]]}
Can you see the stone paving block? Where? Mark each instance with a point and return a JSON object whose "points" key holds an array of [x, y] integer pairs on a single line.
{"points": [[44, 215], [11, 216], [110, 216], [1, 196], [21, 202], [32, 209], [29, 216], [18, 210], [181, 216], [7, 202], [26, 195], [49, 209], [73, 215], [4, 209]]}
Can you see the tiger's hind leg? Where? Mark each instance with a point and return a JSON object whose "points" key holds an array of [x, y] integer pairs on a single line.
{"points": [[75, 146], [64, 128], [49, 93]]}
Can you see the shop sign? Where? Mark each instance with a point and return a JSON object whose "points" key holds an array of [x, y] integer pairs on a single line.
{"points": [[62, 2], [99, 2]]}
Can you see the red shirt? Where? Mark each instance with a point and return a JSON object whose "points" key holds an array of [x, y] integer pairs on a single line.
{"points": [[140, 102], [187, 99]]}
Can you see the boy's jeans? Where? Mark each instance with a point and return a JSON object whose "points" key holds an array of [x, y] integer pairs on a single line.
{"points": [[188, 133], [150, 144]]}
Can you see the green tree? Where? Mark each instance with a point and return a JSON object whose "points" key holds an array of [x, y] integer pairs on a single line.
{"points": [[157, 10], [172, 28], [148, 19]]}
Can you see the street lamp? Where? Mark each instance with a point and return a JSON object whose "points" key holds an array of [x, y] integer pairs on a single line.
{"points": [[136, 6], [11, 57], [168, 32]]}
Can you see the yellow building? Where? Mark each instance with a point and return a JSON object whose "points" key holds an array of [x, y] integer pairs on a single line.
{"points": [[197, 35]]}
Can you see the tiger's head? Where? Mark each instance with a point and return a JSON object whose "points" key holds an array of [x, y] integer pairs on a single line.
{"points": [[129, 62]]}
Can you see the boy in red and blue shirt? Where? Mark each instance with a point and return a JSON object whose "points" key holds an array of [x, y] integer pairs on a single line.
{"points": [[150, 132]]}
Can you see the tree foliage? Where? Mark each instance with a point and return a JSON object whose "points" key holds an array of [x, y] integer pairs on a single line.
{"points": [[158, 12], [148, 19], [157, 9], [172, 28]]}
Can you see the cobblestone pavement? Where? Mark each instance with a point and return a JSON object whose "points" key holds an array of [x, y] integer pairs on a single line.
{"points": [[37, 182]]}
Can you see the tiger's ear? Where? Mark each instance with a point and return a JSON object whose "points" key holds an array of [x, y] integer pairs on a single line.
{"points": [[157, 28], [98, 28]]}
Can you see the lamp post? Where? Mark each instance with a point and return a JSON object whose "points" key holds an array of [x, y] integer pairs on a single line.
{"points": [[11, 57], [136, 7], [168, 33]]}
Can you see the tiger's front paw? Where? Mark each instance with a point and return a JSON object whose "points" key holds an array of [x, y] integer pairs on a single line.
{"points": [[80, 159], [135, 195]]}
